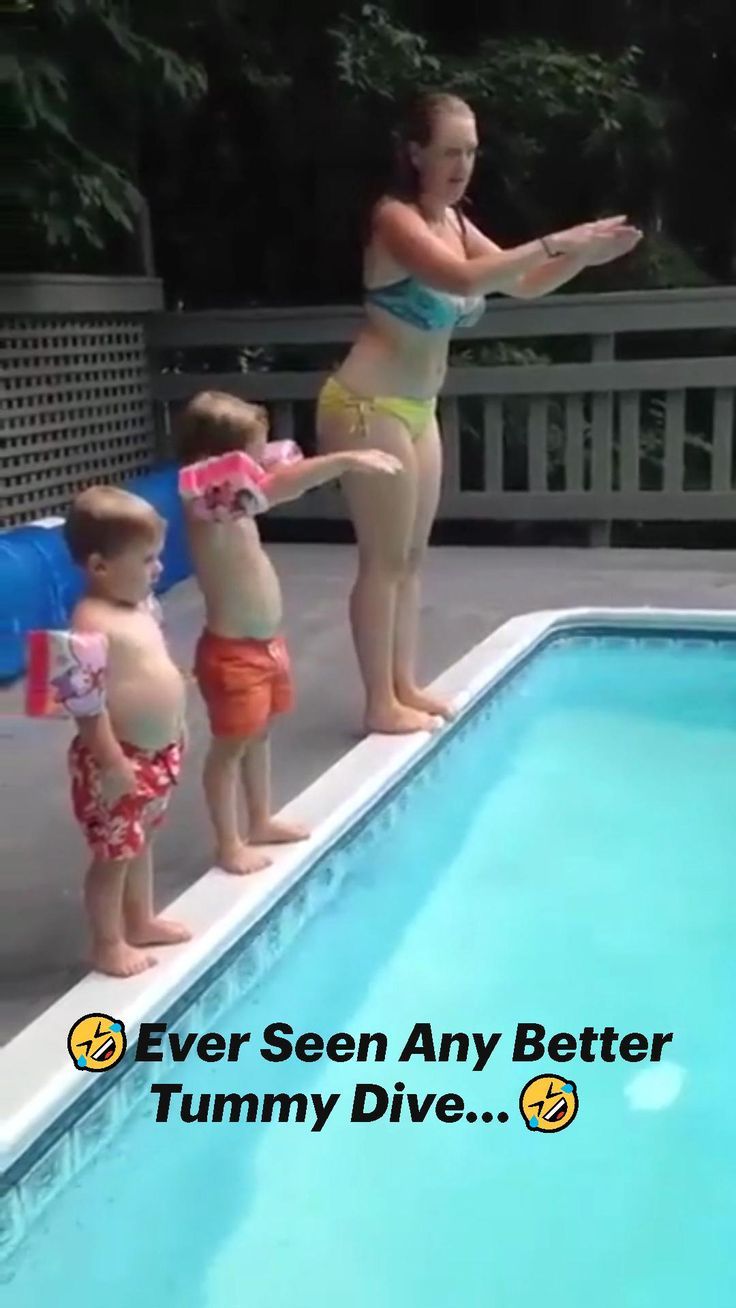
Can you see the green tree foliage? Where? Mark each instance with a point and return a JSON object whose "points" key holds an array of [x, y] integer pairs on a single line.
{"points": [[85, 75], [258, 133]]}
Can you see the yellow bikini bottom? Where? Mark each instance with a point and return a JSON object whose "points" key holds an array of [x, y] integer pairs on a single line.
{"points": [[415, 414]]}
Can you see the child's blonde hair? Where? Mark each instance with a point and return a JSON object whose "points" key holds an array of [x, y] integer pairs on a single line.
{"points": [[214, 422], [105, 520]]}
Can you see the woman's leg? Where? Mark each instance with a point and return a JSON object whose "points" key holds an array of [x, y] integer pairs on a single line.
{"points": [[428, 462], [383, 510]]}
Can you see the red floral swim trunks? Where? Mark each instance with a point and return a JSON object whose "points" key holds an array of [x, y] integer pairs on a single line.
{"points": [[119, 831]]}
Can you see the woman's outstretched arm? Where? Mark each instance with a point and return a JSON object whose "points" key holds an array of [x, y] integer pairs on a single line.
{"points": [[614, 238], [406, 236]]}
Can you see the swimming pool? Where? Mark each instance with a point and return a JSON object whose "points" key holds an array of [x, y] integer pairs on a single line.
{"points": [[565, 858]]}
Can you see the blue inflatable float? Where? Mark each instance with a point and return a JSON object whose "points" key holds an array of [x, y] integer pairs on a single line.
{"points": [[39, 583]]}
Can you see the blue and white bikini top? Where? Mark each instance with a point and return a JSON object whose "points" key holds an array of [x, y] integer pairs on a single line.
{"points": [[425, 308]]}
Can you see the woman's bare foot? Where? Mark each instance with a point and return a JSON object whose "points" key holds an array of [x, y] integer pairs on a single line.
{"points": [[159, 931], [400, 720], [273, 832], [414, 697], [242, 861], [120, 959]]}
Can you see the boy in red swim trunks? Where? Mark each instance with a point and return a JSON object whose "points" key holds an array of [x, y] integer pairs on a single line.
{"points": [[242, 663], [127, 753]]}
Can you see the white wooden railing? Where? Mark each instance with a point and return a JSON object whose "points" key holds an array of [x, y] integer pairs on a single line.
{"points": [[605, 438], [631, 419]]}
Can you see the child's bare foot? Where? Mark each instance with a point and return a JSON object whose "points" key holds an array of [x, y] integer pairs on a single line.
{"points": [[159, 931], [241, 861], [273, 832], [400, 719], [120, 959], [415, 698]]}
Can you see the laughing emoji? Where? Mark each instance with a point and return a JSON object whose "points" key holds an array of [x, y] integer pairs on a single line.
{"points": [[96, 1042], [548, 1103]]}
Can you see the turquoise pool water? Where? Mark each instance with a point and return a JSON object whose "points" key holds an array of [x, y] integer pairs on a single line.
{"points": [[569, 860]]}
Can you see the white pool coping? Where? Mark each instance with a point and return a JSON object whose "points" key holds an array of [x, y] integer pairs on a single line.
{"points": [[38, 1082]]}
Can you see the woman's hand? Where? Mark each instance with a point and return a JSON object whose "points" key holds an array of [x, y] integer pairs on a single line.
{"points": [[612, 244], [595, 242]]}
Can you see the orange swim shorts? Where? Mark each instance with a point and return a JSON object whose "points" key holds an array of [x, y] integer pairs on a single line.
{"points": [[243, 682], [119, 831]]}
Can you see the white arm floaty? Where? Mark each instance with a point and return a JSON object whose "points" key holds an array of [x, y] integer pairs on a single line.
{"points": [[66, 673], [227, 487]]}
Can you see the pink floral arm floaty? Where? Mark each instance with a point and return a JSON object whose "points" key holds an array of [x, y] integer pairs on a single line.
{"points": [[277, 453], [66, 673], [230, 486]]}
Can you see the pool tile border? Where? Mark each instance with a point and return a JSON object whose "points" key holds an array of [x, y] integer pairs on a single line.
{"points": [[38, 1163], [76, 1139]]}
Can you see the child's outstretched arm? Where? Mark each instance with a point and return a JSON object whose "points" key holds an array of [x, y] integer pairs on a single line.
{"points": [[294, 479]]}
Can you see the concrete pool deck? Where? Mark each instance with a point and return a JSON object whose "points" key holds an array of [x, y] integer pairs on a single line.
{"points": [[42, 936]]}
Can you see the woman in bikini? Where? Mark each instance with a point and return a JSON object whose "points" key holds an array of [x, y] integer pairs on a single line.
{"points": [[427, 270]]}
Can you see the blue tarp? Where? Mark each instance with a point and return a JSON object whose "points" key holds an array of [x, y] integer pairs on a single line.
{"points": [[39, 583]]}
